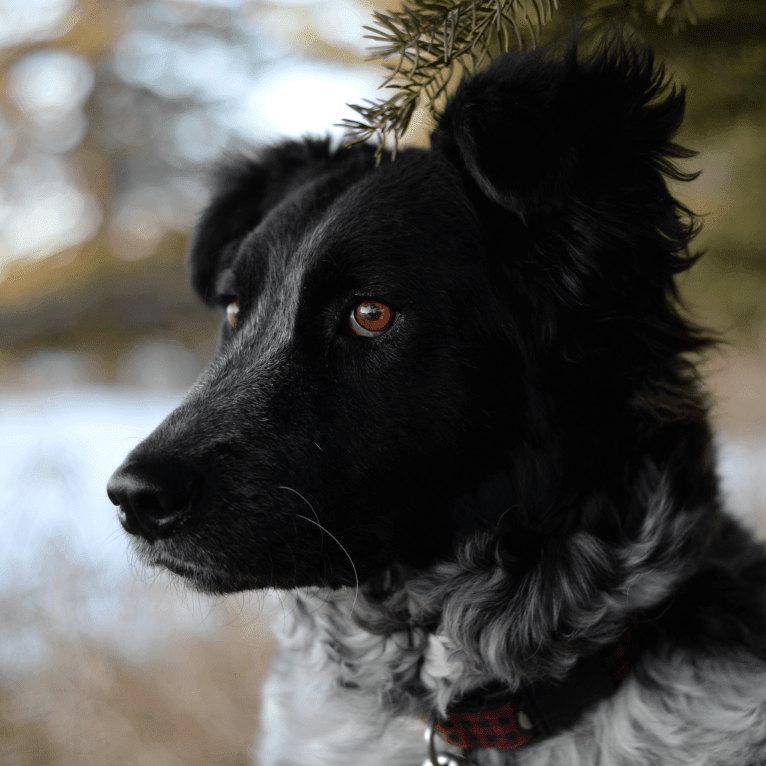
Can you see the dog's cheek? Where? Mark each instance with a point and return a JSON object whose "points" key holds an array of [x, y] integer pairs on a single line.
{"points": [[393, 424]]}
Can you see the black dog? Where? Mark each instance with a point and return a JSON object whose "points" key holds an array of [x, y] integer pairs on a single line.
{"points": [[458, 392]]}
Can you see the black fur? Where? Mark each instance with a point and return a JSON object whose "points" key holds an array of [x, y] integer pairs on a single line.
{"points": [[536, 389]]}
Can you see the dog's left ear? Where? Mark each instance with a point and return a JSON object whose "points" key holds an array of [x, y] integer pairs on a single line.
{"points": [[535, 133], [245, 189]]}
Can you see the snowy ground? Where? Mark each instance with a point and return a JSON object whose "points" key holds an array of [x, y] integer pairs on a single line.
{"points": [[64, 564]]}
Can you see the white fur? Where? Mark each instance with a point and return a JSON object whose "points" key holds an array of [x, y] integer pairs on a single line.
{"points": [[309, 714], [674, 709]]}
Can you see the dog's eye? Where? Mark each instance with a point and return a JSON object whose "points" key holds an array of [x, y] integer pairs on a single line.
{"points": [[371, 318], [231, 313]]}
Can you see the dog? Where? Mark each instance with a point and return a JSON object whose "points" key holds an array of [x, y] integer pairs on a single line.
{"points": [[455, 422]]}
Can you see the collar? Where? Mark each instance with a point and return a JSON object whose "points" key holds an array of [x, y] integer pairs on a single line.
{"points": [[492, 718]]}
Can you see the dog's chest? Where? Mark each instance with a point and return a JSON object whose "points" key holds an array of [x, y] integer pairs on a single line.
{"points": [[338, 694], [319, 633], [341, 695]]}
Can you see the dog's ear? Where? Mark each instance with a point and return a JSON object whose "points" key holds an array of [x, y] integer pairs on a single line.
{"points": [[534, 132], [245, 189]]}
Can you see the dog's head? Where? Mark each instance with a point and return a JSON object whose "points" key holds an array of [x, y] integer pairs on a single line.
{"points": [[476, 341]]}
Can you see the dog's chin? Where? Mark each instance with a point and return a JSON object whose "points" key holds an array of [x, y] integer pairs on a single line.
{"points": [[195, 575], [204, 578], [207, 581]]}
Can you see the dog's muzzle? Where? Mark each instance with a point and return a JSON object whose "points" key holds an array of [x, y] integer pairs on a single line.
{"points": [[154, 500]]}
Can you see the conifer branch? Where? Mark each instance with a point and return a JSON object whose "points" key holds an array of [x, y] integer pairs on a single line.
{"points": [[423, 44], [426, 41]]}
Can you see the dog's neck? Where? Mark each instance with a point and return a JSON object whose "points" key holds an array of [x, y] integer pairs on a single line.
{"points": [[474, 621], [419, 641], [413, 671]]}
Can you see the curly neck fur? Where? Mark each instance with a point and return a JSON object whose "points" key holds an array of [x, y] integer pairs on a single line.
{"points": [[406, 646]]}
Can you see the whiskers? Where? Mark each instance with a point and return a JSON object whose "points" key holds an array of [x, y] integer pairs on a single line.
{"points": [[329, 534]]}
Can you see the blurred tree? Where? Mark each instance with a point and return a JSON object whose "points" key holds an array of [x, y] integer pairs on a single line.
{"points": [[106, 130]]}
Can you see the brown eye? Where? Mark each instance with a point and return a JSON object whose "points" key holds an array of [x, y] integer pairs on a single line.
{"points": [[231, 313], [371, 318]]}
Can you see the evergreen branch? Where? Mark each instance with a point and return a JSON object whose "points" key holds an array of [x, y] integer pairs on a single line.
{"points": [[428, 40]]}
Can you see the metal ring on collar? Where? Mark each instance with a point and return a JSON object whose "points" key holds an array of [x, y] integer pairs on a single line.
{"points": [[441, 759]]}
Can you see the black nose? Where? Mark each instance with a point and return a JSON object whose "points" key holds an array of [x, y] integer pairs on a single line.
{"points": [[154, 497]]}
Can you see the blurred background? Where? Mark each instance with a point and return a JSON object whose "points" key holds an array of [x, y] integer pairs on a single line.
{"points": [[111, 113]]}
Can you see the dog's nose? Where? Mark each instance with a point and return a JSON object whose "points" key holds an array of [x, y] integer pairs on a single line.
{"points": [[153, 498]]}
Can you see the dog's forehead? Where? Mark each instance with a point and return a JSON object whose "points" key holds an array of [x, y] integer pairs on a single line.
{"points": [[402, 213], [416, 198]]}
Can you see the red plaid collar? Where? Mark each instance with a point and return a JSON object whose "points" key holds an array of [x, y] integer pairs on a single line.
{"points": [[491, 718]]}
